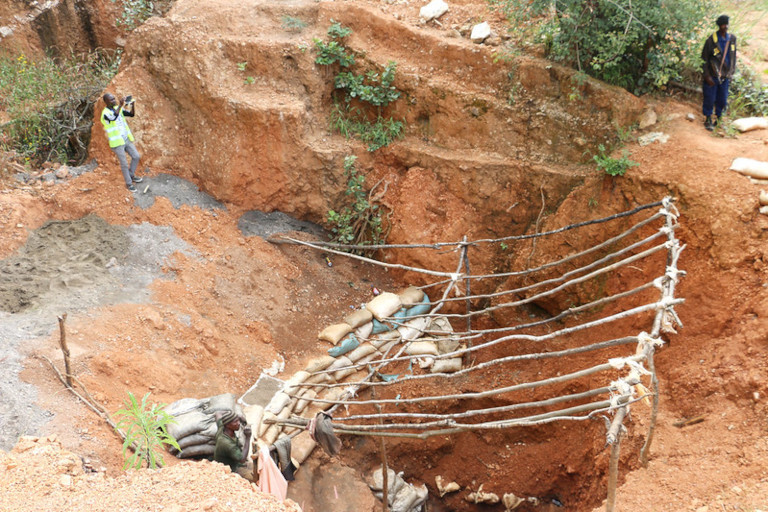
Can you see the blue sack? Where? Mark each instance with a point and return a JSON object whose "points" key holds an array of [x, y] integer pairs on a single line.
{"points": [[379, 327], [419, 309], [348, 344]]}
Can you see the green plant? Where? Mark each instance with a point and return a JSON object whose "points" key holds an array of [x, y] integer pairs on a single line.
{"points": [[352, 122], [292, 24], [242, 65], [372, 88], [135, 12], [359, 222], [613, 166], [748, 95], [146, 432], [640, 45], [50, 104], [249, 80]]}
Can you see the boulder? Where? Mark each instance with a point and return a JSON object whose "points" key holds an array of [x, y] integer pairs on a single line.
{"points": [[433, 10], [480, 32]]}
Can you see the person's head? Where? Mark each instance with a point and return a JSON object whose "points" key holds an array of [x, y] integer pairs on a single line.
{"points": [[110, 99], [722, 23], [230, 420]]}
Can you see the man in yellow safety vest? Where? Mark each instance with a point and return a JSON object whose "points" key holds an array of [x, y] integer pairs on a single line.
{"points": [[120, 137]]}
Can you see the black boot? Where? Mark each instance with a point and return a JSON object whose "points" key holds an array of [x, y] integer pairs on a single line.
{"points": [[717, 121], [708, 123]]}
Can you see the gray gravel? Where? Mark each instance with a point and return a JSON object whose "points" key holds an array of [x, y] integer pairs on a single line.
{"points": [[178, 190], [256, 223], [83, 283]]}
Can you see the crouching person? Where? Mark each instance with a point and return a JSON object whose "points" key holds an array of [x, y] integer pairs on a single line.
{"points": [[228, 449]]}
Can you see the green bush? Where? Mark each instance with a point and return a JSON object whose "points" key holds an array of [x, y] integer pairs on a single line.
{"points": [[639, 45], [748, 95], [371, 89], [146, 429], [50, 104], [136, 12], [359, 222], [613, 166]]}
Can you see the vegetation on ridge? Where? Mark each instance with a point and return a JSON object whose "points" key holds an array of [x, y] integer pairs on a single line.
{"points": [[352, 115]]}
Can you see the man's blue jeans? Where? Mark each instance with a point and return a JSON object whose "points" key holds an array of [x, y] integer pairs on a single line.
{"points": [[715, 96]]}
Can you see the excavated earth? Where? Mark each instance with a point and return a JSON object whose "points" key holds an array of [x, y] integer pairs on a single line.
{"points": [[177, 291]]}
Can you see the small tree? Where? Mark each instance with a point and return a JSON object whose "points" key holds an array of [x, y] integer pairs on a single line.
{"points": [[359, 222], [146, 432]]}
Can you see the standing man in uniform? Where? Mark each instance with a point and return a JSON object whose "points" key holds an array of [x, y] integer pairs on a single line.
{"points": [[719, 56], [120, 137]]}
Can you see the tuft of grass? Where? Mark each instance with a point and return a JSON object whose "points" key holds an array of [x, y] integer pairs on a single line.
{"points": [[352, 123], [292, 24]]}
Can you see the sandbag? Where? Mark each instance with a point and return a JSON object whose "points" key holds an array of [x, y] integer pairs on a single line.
{"points": [[419, 309], [195, 440], [184, 405], [763, 198], [223, 402], [304, 401], [264, 425], [253, 414], [440, 326], [409, 498], [413, 328], [387, 346], [364, 331], [764, 210], [278, 403], [341, 362], [320, 378], [358, 318], [360, 352], [334, 333], [302, 446], [749, 167], [384, 338], [380, 327], [346, 345], [447, 344], [447, 365], [411, 296], [292, 385], [746, 124], [190, 423], [319, 364], [384, 305], [421, 348], [199, 450]]}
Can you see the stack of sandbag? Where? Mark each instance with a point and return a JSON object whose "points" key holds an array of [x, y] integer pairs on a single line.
{"points": [[376, 330], [194, 427], [401, 496]]}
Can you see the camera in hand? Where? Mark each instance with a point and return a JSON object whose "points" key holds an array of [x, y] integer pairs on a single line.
{"points": [[128, 100]]}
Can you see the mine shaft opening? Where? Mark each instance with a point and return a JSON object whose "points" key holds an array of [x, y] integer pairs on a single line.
{"points": [[512, 383]]}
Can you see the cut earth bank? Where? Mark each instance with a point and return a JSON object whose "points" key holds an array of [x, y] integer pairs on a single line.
{"points": [[471, 165]]}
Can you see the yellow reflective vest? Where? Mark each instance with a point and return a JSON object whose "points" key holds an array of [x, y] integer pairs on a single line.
{"points": [[113, 130]]}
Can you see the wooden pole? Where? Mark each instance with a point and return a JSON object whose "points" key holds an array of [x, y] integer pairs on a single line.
{"points": [[614, 439], [64, 349], [384, 467]]}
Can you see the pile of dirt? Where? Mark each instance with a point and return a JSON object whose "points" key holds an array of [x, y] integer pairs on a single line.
{"points": [[40, 474]]}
